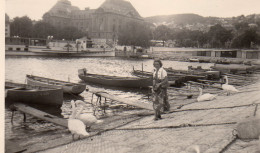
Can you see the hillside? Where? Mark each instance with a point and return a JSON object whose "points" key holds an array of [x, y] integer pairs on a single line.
{"points": [[197, 22], [177, 19]]}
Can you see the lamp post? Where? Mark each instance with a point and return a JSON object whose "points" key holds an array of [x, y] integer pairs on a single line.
{"points": [[16, 39], [49, 38], [77, 44]]}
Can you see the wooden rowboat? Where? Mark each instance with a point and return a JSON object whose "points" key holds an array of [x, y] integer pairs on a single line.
{"points": [[68, 87], [116, 81], [23, 93]]}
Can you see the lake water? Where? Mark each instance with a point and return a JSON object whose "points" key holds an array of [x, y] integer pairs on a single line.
{"points": [[66, 69]]}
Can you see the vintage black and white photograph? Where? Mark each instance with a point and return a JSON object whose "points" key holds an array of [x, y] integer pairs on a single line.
{"points": [[131, 76]]}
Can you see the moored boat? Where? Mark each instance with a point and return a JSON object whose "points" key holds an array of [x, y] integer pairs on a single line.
{"points": [[196, 72], [68, 87], [56, 53], [193, 60], [23, 93], [116, 81], [139, 73], [188, 75], [233, 68], [175, 79]]}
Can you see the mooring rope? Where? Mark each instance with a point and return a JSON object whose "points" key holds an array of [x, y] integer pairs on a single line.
{"points": [[256, 107], [198, 109]]}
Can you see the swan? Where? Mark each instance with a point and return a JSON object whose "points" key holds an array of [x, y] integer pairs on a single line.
{"points": [[227, 87], [87, 119], [206, 96], [76, 126], [193, 148]]}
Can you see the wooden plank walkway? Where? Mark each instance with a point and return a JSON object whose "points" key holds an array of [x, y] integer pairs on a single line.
{"points": [[40, 114], [126, 101]]}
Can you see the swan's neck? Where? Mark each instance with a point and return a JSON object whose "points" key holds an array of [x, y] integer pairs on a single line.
{"points": [[73, 111], [226, 80], [200, 93], [79, 112]]}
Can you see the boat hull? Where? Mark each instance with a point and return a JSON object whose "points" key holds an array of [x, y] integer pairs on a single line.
{"points": [[116, 81], [67, 87], [171, 77], [61, 54], [33, 95]]}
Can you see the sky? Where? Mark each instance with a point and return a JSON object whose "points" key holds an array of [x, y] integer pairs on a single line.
{"points": [[35, 9]]}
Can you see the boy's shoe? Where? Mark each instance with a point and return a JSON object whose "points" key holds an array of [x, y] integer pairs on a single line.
{"points": [[159, 117], [156, 119]]}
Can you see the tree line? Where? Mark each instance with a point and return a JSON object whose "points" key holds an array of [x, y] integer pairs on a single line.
{"points": [[25, 27], [140, 34], [216, 37]]}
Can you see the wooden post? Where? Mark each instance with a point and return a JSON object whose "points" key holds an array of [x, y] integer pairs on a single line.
{"points": [[142, 67]]}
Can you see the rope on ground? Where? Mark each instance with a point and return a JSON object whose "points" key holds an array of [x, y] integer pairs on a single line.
{"points": [[256, 107], [184, 125], [214, 108], [179, 107], [233, 140]]}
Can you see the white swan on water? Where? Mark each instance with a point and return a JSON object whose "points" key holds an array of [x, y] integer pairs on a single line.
{"points": [[87, 118], [76, 126], [206, 96], [227, 87]]}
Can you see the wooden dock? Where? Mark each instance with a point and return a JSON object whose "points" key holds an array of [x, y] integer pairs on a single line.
{"points": [[211, 125], [40, 114]]}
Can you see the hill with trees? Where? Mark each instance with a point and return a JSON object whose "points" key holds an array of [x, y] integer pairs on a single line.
{"points": [[191, 30]]}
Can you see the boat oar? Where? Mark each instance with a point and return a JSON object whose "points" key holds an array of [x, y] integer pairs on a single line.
{"points": [[24, 117], [202, 84], [12, 116]]}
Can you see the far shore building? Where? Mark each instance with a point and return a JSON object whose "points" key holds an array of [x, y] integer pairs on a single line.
{"points": [[102, 24], [7, 26]]}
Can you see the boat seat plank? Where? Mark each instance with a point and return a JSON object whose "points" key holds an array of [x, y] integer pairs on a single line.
{"points": [[123, 100], [40, 114], [210, 81]]}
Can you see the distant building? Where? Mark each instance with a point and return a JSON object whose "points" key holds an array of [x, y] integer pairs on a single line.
{"points": [[253, 25], [7, 26], [101, 24]]}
